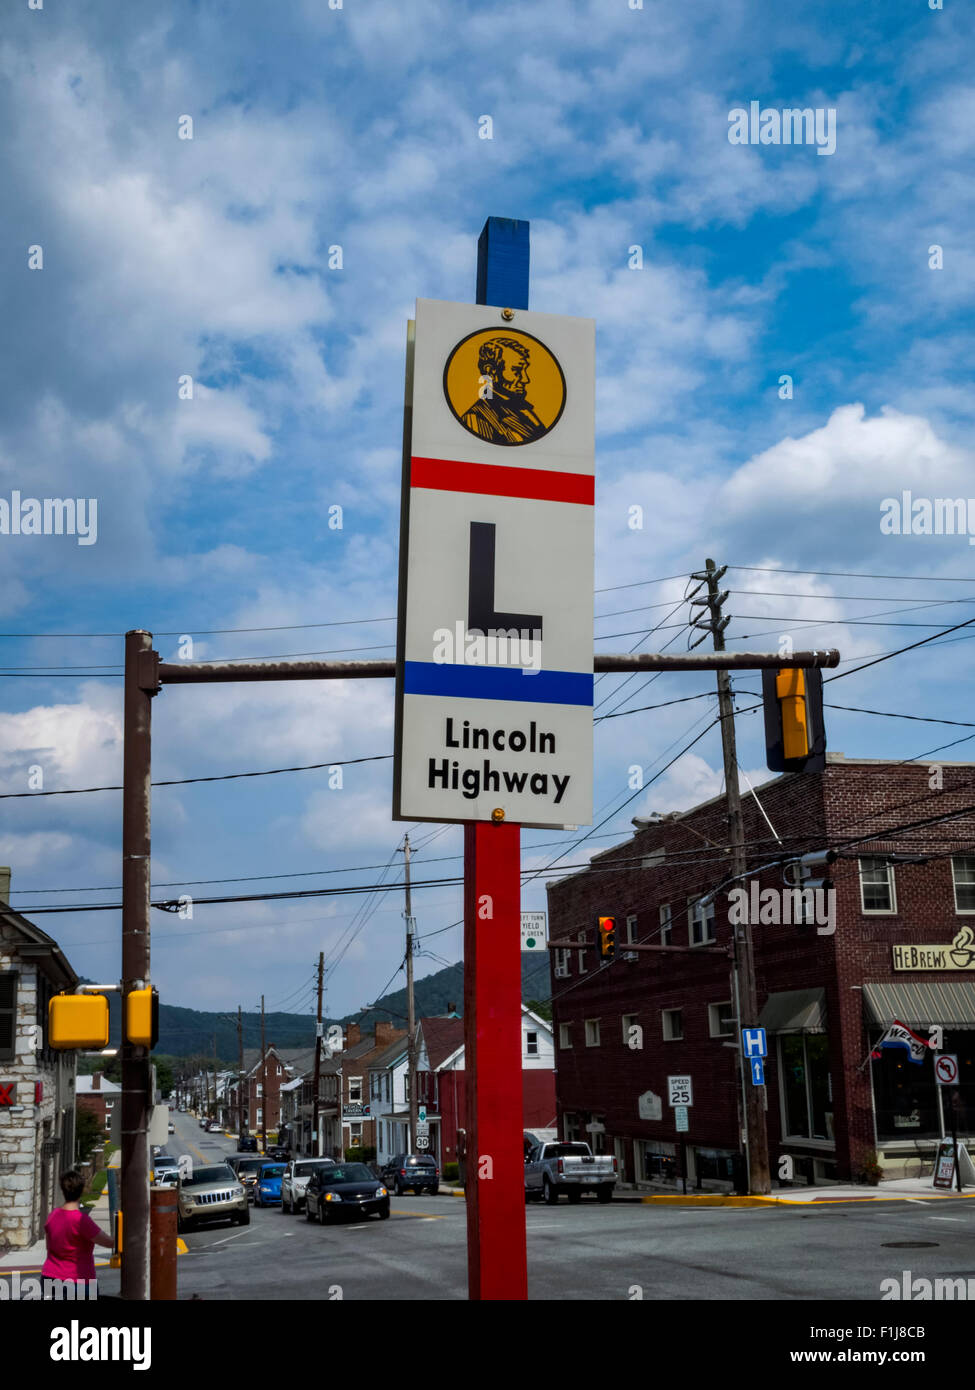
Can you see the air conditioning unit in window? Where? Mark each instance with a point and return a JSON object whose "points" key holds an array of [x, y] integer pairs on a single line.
{"points": [[631, 955], [561, 972]]}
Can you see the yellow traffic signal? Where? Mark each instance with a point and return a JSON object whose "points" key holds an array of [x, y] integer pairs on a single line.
{"points": [[790, 691], [142, 1017], [77, 1021], [606, 938], [795, 734]]}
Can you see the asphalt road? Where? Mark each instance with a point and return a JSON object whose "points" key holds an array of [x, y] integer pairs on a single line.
{"points": [[622, 1251]]}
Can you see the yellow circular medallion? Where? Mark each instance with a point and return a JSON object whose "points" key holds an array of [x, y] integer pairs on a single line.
{"points": [[504, 386]]}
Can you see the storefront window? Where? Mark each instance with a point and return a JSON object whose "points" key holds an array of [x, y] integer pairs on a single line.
{"points": [[806, 1088], [905, 1092]]}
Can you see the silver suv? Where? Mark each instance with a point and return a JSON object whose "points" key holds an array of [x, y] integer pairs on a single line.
{"points": [[212, 1194], [295, 1180]]}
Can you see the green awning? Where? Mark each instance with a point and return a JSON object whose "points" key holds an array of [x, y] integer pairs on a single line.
{"points": [[794, 1011], [921, 1003]]}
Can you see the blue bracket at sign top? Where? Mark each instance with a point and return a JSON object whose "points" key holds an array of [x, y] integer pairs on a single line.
{"points": [[758, 1072], [502, 263]]}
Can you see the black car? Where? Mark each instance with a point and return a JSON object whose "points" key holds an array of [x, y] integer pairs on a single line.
{"points": [[416, 1172], [345, 1189], [247, 1144]]}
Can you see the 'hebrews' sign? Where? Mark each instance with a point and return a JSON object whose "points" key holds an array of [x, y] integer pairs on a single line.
{"points": [[494, 657]]}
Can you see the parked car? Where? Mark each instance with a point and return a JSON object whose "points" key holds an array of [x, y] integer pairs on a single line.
{"points": [[267, 1189], [161, 1166], [572, 1168], [203, 1122], [214, 1126], [247, 1144], [281, 1152], [211, 1194], [416, 1172], [345, 1189], [247, 1167], [172, 1127], [295, 1179]]}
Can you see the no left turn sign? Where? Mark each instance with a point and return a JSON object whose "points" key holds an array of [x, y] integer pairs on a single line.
{"points": [[946, 1069]]}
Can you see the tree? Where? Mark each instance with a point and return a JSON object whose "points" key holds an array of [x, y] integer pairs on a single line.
{"points": [[165, 1075], [88, 1132], [542, 1008]]}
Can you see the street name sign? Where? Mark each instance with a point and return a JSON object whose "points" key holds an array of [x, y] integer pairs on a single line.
{"points": [[679, 1090], [533, 931], [494, 681]]}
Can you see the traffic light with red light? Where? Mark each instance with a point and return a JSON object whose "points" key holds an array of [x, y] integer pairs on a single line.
{"points": [[795, 734], [606, 938]]}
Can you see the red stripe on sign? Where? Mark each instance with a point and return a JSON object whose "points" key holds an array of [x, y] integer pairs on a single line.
{"points": [[500, 480]]}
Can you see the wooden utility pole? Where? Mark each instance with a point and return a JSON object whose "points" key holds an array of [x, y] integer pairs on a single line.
{"points": [[215, 1098], [316, 1136], [410, 1008], [759, 1179], [141, 683], [263, 1083]]}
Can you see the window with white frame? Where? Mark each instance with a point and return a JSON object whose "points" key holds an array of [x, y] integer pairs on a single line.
{"points": [[562, 964], [260, 1115], [355, 1132], [531, 1044], [565, 1035], [260, 1089], [582, 954], [631, 930], [721, 1020], [375, 1086], [963, 877], [629, 1021], [387, 1086], [355, 1090], [700, 922], [592, 1032], [666, 924], [673, 1024], [877, 885]]}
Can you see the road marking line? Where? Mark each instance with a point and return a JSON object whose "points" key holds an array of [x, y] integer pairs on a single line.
{"points": [[946, 1218], [236, 1236]]}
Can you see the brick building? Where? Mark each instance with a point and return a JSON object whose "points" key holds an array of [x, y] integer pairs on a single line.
{"points": [[36, 1083], [903, 948], [99, 1096]]}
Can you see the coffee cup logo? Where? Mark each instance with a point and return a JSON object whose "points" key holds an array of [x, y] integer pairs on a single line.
{"points": [[504, 386]]}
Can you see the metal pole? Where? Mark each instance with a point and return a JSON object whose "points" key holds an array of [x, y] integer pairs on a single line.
{"points": [[410, 1007], [140, 685], [263, 1083], [759, 1180], [316, 1140], [241, 1127]]}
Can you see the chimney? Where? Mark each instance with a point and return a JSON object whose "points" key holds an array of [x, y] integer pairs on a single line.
{"points": [[352, 1034], [4, 886], [384, 1032], [96, 1081]]}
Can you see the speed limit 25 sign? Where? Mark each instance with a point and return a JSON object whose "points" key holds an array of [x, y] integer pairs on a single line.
{"points": [[679, 1090]]}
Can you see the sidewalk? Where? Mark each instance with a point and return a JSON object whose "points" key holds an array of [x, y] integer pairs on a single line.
{"points": [[899, 1190], [29, 1259]]}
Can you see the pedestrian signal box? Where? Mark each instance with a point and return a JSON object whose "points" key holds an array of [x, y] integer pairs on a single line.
{"points": [[142, 1017], [795, 735], [77, 1021]]}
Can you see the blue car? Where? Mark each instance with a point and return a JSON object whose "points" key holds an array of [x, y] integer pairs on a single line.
{"points": [[267, 1189]]}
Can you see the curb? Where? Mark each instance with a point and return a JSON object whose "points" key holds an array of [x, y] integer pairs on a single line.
{"points": [[716, 1200]]}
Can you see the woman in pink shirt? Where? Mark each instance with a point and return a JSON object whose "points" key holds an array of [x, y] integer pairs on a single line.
{"points": [[71, 1236]]}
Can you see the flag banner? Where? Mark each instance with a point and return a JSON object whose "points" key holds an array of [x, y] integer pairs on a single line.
{"points": [[899, 1036]]}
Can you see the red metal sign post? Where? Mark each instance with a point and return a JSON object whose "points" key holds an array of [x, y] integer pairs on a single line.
{"points": [[497, 1262]]}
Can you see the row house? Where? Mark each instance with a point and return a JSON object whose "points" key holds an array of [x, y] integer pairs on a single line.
{"points": [[37, 1084], [891, 940], [345, 1114], [440, 1083], [254, 1104], [99, 1097]]}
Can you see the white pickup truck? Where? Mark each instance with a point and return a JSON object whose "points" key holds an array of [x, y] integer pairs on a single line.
{"points": [[554, 1168]]}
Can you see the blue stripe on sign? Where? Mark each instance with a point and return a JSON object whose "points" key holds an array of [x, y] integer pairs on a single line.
{"points": [[497, 683]]}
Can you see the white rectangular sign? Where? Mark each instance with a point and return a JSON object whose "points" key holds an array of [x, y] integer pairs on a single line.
{"points": [[533, 931], [679, 1090], [494, 645]]}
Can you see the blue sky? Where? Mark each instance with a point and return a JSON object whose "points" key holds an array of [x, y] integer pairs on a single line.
{"points": [[358, 127]]}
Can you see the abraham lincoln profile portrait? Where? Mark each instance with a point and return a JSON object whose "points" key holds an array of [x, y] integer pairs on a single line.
{"points": [[502, 413]]}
